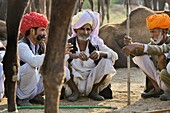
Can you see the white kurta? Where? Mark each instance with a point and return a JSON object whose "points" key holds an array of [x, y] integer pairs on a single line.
{"points": [[2, 78], [87, 73], [30, 80]]}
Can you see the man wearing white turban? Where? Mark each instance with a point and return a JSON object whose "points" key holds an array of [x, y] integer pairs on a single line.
{"points": [[91, 61]]}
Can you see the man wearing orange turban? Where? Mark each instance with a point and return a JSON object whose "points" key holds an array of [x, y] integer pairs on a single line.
{"points": [[31, 49], [151, 58]]}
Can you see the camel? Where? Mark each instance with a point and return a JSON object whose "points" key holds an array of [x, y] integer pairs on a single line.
{"points": [[113, 34]]}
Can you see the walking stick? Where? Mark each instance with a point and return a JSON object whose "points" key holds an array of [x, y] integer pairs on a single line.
{"points": [[128, 57]]}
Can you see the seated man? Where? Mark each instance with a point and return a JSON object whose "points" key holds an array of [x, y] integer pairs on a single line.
{"points": [[91, 61], [151, 58], [31, 50], [2, 77], [165, 77]]}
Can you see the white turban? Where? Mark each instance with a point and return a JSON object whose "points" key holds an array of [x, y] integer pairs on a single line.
{"points": [[93, 18]]}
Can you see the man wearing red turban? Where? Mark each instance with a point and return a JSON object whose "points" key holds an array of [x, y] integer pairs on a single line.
{"points": [[31, 50], [152, 58]]}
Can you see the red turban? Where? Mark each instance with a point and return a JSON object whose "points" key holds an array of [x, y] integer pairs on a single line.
{"points": [[31, 20], [158, 21]]}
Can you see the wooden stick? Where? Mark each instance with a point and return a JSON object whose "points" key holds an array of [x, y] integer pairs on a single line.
{"points": [[158, 111], [128, 57]]}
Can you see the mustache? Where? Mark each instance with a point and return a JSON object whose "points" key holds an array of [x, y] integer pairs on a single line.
{"points": [[84, 35]]}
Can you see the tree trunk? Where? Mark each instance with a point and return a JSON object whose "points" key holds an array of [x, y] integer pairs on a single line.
{"points": [[53, 67], [15, 11]]}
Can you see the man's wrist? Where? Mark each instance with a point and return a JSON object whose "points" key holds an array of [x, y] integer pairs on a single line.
{"points": [[73, 56], [145, 48], [103, 54], [140, 46]]}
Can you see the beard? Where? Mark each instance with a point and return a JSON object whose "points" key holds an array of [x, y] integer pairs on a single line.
{"points": [[83, 37], [40, 38], [158, 39]]}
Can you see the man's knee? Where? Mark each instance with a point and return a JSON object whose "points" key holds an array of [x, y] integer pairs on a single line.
{"points": [[168, 67], [165, 76], [106, 61], [67, 76]]}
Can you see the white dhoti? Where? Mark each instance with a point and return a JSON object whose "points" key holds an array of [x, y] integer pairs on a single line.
{"points": [[2, 78], [147, 66], [86, 79], [30, 82]]}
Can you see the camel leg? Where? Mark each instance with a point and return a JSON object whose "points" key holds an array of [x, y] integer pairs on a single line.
{"points": [[101, 4], [10, 61], [147, 3], [107, 2], [48, 7], [81, 5], [91, 4], [161, 4], [168, 1], [28, 9], [155, 4], [57, 36]]}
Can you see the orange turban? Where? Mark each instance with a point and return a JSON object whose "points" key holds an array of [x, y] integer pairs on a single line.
{"points": [[31, 20], [158, 21]]}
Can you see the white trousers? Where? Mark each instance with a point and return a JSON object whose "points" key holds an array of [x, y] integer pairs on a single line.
{"points": [[2, 78], [146, 65], [85, 83], [30, 82]]}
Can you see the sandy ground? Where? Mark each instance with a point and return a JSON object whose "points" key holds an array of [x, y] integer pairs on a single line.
{"points": [[120, 98]]}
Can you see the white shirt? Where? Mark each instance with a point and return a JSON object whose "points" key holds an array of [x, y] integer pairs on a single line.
{"points": [[26, 55], [30, 57]]}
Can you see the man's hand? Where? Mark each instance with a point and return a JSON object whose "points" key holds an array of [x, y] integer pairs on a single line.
{"points": [[128, 49], [127, 40], [95, 55], [43, 46], [83, 56], [68, 48]]}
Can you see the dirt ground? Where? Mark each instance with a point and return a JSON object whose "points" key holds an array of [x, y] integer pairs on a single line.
{"points": [[120, 98]]}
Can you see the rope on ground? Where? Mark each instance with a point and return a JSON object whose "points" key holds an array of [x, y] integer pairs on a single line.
{"points": [[63, 107]]}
